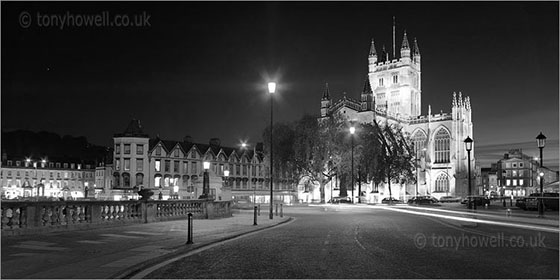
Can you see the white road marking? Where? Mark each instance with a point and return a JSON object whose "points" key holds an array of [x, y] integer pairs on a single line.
{"points": [[143, 232], [91, 242], [35, 247], [119, 236]]}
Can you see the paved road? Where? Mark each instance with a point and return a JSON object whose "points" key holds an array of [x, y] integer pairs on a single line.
{"points": [[376, 242], [105, 253]]}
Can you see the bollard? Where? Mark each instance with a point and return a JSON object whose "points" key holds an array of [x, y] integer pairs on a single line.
{"points": [[276, 209], [281, 211], [259, 209], [255, 216], [189, 228], [508, 212], [486, 206]]}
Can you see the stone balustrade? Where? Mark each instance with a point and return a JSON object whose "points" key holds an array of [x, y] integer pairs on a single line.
{"points": [[25, 217]]}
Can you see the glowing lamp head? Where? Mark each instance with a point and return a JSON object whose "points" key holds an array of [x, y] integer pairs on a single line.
{"points": [[352, 130], [206, 165], [541, 140], [468, 143], [28, 160], [271, 87], [541, 174], [175, 189]]}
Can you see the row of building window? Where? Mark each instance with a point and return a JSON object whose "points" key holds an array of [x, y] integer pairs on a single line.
{"points": [[126, 150], [44, 164], [442, 143], [395, 80], [49, 173]]}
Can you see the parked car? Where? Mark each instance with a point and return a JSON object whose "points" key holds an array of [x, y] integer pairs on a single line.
{"points": [[337, 200], [478, 200], [449, 199], [550, 200], [391, 200], [426, 199]]}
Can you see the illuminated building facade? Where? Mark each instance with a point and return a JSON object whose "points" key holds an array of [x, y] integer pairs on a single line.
{"points": [[392, 94], [27, 178], [174, 169]]}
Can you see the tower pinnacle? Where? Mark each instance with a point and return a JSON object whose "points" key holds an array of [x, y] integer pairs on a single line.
{"points": [[372, 51], [326, 92]]}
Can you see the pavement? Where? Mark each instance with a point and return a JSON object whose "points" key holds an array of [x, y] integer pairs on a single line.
{"points": [[118, 252]]}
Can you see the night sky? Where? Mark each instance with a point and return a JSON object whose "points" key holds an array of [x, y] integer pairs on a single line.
{"points": [[201, 68]]}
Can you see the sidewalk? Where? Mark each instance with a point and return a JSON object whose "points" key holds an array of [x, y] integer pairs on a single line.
{"points": [[118, 251]]}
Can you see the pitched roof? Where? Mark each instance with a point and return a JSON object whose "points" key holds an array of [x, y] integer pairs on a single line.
{"points": [[134, 129]]}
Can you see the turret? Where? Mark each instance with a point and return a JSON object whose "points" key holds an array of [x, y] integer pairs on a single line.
{"points": [[405, 50], [372, 57], [367, 97], [325, 101], [416, 52]]}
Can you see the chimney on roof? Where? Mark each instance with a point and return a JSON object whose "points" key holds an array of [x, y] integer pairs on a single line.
{"points": [[259, 148], [506, 156], [215, 142], [187, 139]]}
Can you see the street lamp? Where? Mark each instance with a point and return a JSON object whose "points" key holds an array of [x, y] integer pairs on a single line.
{"points": [[205, 181], [468, 147], [541, 141], [271, 90], [352, 130]]}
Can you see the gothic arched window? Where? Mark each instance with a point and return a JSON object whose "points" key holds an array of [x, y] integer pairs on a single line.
{"points": [[442, 183], [441, 146], [419, 140]]}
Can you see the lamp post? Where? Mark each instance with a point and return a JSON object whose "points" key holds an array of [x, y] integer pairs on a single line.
{"points": [[541, 141], [352, 130], [468, 147], [205, 181], [271, 90]]}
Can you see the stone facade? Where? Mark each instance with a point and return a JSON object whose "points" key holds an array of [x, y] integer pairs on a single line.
{"points": [[392, 95]]}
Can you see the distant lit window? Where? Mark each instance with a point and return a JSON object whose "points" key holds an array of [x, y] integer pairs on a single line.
{"points": [[126, 149], [508, 182], [157, 180], [514, 172], [118, 165], [158, 165], [521, 182]]}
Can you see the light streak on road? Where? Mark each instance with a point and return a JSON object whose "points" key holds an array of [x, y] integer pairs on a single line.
{"points": [[473, 220]]}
